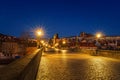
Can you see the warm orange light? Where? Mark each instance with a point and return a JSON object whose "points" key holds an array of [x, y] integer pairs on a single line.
{"points": [[64, 42], [98, 35], [56, 44], [39, 33], [42, 41]]}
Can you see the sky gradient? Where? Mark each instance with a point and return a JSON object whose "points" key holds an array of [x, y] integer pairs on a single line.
{"points": [[65, 17]]}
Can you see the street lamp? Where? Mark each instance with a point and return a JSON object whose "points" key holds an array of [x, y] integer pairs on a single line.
{"points": [[98, 35], [39, 33], [64, 42]]}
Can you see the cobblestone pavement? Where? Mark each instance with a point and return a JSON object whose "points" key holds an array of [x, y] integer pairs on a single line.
{"points": [[76, 66]]}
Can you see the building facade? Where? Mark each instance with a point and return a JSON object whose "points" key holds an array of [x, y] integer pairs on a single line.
{"points": [[86, 40]]}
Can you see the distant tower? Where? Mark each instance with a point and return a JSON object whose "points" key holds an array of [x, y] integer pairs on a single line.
{"points": [[82, 34], [55, 37]]}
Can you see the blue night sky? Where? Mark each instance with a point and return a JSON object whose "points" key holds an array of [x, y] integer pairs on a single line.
{"points": [[65, 17]]}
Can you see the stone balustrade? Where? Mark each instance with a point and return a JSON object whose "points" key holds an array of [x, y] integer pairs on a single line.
{"points": [[22, 69]]}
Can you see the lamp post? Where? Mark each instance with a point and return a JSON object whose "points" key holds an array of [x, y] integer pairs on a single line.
{"points": [[38, 38], [98, 36], [64, 44], [39, 33]]}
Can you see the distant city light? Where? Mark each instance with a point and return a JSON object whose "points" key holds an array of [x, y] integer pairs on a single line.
{"points": [[38, 31], [98, 35], [42, 41], [64, 42], [56, 44]]}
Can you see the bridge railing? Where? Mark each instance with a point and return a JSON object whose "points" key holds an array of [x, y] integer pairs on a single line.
{"points": [[22, 69], [105, 53], [109, 53]]}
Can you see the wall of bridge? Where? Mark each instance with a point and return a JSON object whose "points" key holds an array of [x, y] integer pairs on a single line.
{"points": [[105, 53], [22, 69]]}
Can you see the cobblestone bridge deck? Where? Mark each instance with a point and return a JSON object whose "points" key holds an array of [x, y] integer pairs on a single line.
{"points": [[76, 66]]}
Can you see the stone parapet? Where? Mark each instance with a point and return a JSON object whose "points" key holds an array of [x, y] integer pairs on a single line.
{"points": [[22, 69]]}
